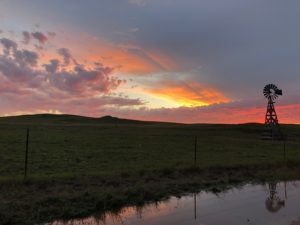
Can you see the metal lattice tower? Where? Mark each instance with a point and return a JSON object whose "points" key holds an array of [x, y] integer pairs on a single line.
{"points": [[271, 116]]}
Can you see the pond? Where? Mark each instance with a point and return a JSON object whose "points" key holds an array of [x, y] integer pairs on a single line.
{"points": [[268, 204]]}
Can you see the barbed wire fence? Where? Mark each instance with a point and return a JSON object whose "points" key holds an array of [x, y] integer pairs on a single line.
{"points": [[56, 151]]}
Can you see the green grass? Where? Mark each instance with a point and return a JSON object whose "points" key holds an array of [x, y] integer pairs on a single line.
{"points": [[78, 166], [57, 150]]}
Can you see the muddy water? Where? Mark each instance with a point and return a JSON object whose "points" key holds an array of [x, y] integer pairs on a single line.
{"points": [[269, 204]]}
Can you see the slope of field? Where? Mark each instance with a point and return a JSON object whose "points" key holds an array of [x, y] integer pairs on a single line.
{"points": [[66, 119], [73, 146]]}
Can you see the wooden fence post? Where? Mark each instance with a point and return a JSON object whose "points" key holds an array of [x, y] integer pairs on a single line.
{"points": [[195, 151], [284, 150], [26, 154]]}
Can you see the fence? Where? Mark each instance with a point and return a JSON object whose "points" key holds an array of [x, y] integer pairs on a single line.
{"points": [[75, 150]]}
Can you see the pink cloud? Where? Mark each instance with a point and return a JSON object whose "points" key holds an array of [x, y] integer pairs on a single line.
{"points": [[65, 53], [27, 85], [40, 37], [8, 45]]}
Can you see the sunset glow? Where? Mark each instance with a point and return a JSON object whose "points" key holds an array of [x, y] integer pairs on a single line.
{"points": [[146, 59], [190, 94]]}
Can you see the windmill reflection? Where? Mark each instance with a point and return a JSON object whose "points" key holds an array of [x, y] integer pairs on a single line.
{"points": [[273, 203]]}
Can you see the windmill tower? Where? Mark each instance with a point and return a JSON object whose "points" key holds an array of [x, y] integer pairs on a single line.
{"points": [[271, 92]]}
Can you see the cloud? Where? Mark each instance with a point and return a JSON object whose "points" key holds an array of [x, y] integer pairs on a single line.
{"points": [[65, 53], [51, 34], [84, 82], [109, 101], [29, 103], [146, 57], [52, 66], [235, 46], [27, 85], [40, 37], [26, 57], [19, 65], [21, 57], [26, 37], [13, 69], [187, 93], [8, 45]]}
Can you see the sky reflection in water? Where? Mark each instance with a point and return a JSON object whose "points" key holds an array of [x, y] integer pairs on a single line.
{"points": [[269, 204]]}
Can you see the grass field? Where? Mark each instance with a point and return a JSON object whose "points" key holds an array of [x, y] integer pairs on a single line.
{"points": [[60, 148], [75, 163]]}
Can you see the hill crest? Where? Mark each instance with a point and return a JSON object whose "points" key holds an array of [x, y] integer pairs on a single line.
{"points": [[67, 118]]}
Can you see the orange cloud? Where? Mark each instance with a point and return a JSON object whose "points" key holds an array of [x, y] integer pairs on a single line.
{"points": [[127, 58], [189, 94], [132, 61]]}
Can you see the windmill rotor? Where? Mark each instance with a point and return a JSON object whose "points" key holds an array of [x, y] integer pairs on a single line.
{"points": [[271, 91]]}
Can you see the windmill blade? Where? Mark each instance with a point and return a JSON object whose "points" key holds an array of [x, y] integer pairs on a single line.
{"points": [[273, 86], [267, 91]]}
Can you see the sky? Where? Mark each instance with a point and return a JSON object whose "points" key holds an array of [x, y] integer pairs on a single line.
{"points": [[189, 61]]}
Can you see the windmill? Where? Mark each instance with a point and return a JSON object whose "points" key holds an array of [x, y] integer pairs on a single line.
{"points": [[273, 203], [271, 92], [272, 130]]}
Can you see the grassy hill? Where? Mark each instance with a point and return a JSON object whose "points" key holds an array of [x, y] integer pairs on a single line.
{"points": [[65, 118], [59, 145]]}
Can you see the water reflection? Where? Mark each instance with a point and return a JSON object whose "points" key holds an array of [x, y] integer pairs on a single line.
{"points": [[273, 202], [251, 204], [296, 222]]}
